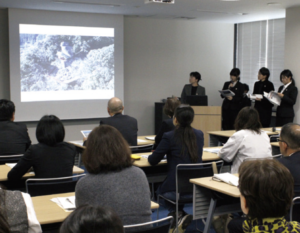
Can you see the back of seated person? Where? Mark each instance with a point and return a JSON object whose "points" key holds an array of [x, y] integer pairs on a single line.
{"points": [[266, 188], [14, 137], [51, 157], [249, 140], [89, 219], [17, 213], [126, 125]]}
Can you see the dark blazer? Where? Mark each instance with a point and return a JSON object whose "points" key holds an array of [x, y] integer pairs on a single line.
{"points": [[127, 126], [14, 138], [166, 126], [236, 102], [47, 161], [187, 90], [169, 146], [287, 102], [258, 89], [293, 164]]}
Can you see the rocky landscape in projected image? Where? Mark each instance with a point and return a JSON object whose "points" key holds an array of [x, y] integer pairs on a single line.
{"points": [[58, 62]]}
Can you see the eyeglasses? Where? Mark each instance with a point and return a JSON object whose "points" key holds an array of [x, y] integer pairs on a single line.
{"points": [[279, 140]]}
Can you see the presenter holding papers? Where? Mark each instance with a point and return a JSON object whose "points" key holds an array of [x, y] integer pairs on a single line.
{"points": [[232, 103], [288, 93], [262, 104], [193, 88]]}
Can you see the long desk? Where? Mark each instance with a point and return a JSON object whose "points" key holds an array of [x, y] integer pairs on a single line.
{"points": [[49, 212], [204, 204], [213, 135], [4, 169]]}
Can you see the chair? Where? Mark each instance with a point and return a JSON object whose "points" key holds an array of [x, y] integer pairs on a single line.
{"points": [[10, 158], [47, 186], [185, 172], [295, 211], [141, 149], [159, 226]]}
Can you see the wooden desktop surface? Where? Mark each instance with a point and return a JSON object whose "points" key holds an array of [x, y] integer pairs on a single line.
{"points": [[218, 186], [275, 144], [141, 141], [4, 169], [49, 212], [206, 156], [229, 133]]}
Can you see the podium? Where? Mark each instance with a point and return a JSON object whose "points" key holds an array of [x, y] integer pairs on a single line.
{"points": [[207, 118]]}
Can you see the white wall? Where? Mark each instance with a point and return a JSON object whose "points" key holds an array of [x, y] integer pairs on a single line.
{"points": [[292, 50], [160, 54], [158, 57]]}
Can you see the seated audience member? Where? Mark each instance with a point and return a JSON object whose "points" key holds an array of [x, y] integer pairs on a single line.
{"points": [[167, 125], [14, 137], [249, 141], [266, 188], [183, 145], [246, 100], [289, 143], [112, 181], [17, 213], [127, 125], [89, 219], [51, 157]]}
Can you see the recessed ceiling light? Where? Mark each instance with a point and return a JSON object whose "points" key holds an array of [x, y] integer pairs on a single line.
{"points": [[87, 3], [230, 0]]}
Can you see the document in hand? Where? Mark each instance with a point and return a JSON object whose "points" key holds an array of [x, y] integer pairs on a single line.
{"points": [[254, 96], [85, 133], [227, 178], [227, 93], [66, 203], [273, 97]]}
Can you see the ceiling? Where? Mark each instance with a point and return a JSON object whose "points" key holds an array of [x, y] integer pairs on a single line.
{"points": [[201, 10]]}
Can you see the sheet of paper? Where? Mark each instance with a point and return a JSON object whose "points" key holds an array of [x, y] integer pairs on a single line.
{"points": [[67, 203], [141, 140], [11, 165], [150, 138], [227, 178], [213, 150]]}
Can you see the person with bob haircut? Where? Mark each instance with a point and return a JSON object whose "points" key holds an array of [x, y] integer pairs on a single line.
{"points": [[263, 106], [51, 157], [167, 125], [90, 219], [288, 93], [266, 188], [249, 141], [232, 104], [193, 88], [184, 145], [14, 138], [112, 181]]}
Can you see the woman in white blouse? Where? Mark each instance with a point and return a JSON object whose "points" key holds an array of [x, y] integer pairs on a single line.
{"points": [[249, 141]]}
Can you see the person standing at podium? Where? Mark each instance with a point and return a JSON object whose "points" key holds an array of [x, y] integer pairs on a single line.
{"points": [[232, 104], [263, 106], [193, 88]]}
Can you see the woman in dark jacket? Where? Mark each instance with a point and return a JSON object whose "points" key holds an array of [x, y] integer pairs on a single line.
{"points": [[232, 104], [263, 106], [183, 145], [288, 94]]}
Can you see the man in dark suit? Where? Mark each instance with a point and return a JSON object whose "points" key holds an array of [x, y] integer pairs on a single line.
{"points": [[289, 143], [14, 137], [127, 125]]}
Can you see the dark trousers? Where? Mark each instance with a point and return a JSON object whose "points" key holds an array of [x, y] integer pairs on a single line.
{"points": [[265, 115], [228, 118], [281, 121]]}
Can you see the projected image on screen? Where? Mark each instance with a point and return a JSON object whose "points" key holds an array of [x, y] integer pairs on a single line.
{"points": [[66, 63]]}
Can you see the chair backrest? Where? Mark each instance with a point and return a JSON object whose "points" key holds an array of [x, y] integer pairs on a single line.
{"points": [[157, 226], [10, 158], [141, 149], [47, 186], [185, 172], [295, 210], [277, 156]]}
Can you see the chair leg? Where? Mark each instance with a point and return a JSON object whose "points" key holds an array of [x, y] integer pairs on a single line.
{"points": [[158, 207], [176, 226]]}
